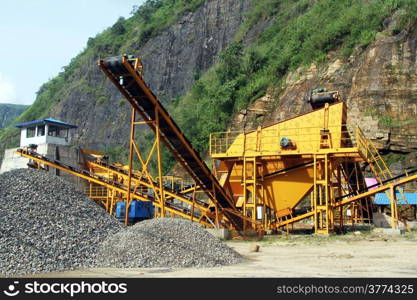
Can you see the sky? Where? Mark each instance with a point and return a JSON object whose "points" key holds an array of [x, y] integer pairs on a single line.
{"points": [[39, 37]]}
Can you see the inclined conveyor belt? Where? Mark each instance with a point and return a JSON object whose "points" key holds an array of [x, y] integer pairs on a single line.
{"points": [[128, 80], [92, 177]]}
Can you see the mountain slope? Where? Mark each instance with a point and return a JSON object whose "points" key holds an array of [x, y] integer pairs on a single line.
{"points": [[208, 60], [9, 112], [177, 40]]}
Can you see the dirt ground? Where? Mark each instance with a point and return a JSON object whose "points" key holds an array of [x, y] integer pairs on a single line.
{"points": [[365, 254]]}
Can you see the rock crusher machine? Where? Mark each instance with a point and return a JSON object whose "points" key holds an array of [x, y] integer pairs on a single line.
{"points": [[306, 166], [260, 177]]}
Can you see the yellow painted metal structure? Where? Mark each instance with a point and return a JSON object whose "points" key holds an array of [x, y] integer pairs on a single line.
{"points": [[116, 190], [125, 72], [304, 131], [313, 159]]}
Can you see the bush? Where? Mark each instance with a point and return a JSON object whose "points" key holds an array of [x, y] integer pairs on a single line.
{"points": [[102, 99], [118, 28]]}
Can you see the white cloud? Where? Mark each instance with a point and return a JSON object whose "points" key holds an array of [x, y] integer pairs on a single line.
{"points": [[7, 90]]}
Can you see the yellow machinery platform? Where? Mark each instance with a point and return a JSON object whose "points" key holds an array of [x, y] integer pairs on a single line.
{"points": [[313, 158]]}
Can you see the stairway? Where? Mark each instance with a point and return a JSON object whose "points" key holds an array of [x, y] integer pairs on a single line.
{"points": [[377, 165]]}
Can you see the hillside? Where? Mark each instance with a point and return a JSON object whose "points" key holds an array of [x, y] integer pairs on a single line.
{"points": [[9, 112], [211, 60]]}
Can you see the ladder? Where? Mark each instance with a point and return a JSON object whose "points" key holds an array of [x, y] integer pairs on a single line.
{"points": [[379, 168]]}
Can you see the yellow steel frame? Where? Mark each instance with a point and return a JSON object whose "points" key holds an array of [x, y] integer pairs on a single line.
{"points": [[340, 204], [233, 218], [132, 72], [327, 152], [143, 183], [110, 185]]}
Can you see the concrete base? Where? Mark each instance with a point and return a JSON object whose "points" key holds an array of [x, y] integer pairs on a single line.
{"points": [[384, 221], [222, 233], [250, 234], [391, 231], [66, 154], [13, 161]]}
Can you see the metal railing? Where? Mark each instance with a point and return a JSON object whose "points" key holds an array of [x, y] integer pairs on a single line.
{"points": [[174, 182], [371, 154], [268, 141], [95, 191]]}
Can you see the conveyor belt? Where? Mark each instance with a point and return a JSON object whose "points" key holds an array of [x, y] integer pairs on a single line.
{"points": [[170, 193], [359, 195], [97, 179], [121, 71]]}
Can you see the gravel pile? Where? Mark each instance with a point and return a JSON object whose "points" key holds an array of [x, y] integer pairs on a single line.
{"points": [[46, 225], [165, 243]]}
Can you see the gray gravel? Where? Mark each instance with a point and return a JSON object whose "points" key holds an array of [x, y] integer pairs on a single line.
{"points": [[165, 243], [47, 225]]}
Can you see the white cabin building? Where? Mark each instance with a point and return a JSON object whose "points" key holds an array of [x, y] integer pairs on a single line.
{"points": [[52, 138], [47, 131]]}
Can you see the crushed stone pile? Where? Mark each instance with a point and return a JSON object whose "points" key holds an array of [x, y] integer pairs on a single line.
{"points": [[167, 242], [47, 225]]}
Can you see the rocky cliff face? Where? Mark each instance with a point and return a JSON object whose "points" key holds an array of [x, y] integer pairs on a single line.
{"points": [[9, 112], [172, 61], [378, 84]]}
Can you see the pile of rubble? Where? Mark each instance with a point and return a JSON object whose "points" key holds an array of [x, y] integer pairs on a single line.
{"points": [[165, 242], [47, 225]]}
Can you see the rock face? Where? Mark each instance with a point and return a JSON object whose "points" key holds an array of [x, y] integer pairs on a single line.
{"points": [[9, 112], [378, 84], [172, 61]]}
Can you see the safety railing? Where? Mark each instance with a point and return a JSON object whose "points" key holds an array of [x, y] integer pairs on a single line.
{"points": [[95, 191], [281, 141], [174, 183], [371, 154]]}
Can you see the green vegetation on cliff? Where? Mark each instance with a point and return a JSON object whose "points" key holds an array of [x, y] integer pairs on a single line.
{"points": [[146, 21], [298, 34], [301, 33], [9, 112]]}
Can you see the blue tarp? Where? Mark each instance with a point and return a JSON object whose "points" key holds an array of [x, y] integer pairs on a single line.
{"points": [[382, 199]]}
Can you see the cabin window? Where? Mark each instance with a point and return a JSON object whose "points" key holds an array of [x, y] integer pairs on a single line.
{"points": [[53, 130], [41, 130], [30, 132], [64, 133], [57, 131]]}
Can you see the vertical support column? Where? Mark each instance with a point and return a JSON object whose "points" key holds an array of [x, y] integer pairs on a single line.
{"points": [[193, 206], [394, 213], [254, 198], [129, 180], [159, 154], [314, 200], [264, 215], [245, 194], [339, 194], [329, 220], [216, 211], [323, 196]]}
